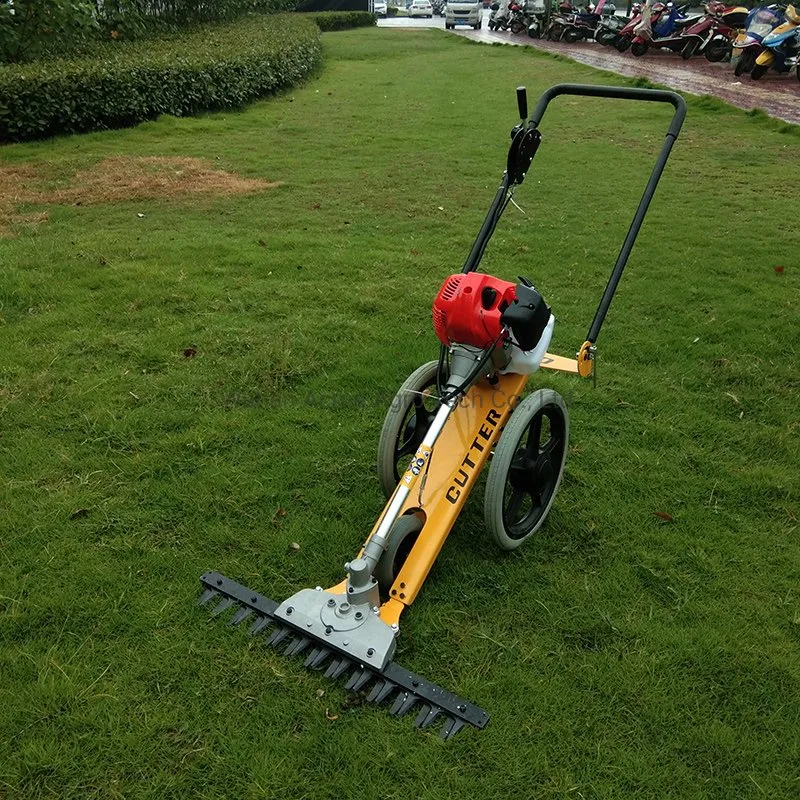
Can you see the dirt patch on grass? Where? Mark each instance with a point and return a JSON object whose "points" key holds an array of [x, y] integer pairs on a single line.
{"points": [[115, 180]]}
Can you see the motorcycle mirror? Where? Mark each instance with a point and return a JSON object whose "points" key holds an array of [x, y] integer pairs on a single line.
{"points": [[522, 103]]}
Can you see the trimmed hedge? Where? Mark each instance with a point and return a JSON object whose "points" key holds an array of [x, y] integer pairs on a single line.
{"points": [[342, 20], [122, 84]]}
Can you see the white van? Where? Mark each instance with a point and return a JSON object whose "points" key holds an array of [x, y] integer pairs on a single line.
{"points": [[463, 12]]}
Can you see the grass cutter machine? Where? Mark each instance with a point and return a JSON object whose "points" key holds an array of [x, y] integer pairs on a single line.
{"points": [[446, 421]]}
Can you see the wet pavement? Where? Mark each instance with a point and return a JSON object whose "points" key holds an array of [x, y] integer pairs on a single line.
{"points": [[778, 95]]}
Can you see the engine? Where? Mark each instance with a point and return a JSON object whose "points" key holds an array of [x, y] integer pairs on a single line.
{"points": [[474, 309], [469, 307]]}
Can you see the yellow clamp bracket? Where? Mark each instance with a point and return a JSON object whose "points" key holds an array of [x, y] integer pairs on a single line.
{"points": [[586, 360]]}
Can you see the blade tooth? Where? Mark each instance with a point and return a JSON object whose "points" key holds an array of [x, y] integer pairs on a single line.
{"points": [[358, 680], [452, 727], [278, 635], [261, 624], [297, 646], [427, 716], [380, 691], [332, 667], [403, 703], [240, 615], [317, 657], [338, 667], [206, 595], [223, 606]]}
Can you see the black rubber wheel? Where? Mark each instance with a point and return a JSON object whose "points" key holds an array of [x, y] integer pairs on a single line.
{"points": [[689, 49], [798, 71], [407, 420], [526, 468], [639, 48], [717, 51], [477, 27], [517, 26], [555, 33], [401, 539], [623, 43], [572, 35], [745, 63], [758, 71]]}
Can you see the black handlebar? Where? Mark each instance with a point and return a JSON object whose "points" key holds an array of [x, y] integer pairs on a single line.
{"points": [[617, 93], [524, 144]]}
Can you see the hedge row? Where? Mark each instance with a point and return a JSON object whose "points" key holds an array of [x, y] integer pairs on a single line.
{"points": [[122, 84], [341, 20]]}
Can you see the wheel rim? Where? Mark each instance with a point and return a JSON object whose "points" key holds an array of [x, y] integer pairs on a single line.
{"points": [[534, 472], [417, 420]]}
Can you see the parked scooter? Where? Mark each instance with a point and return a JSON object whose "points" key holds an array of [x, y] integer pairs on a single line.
{"points": [[629, 31], [519, 20], [609, 30], [500, 17], [747, 46], [559, 22], [781, 47], [583, 25], [666, 33], [714, 33], [536, 17]]}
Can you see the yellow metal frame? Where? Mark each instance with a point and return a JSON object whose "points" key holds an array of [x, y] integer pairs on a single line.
{"points": [[448, 473]]}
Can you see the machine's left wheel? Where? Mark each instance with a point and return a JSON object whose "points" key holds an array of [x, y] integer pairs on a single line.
{"points": [[401, 539], [407, 420], [526, 468]]}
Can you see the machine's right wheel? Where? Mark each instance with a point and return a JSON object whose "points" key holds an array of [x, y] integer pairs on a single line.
{"points": [[407, 420], [402, 537], [623, 43], [526, 469], [758, 71], [555, 33], [571, 35], [640, 48]]}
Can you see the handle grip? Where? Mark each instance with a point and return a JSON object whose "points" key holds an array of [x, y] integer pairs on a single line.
{"points": [[522, 102]]}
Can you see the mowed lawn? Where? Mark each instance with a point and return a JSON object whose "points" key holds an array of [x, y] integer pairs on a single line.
{"points": [[202, 323]]}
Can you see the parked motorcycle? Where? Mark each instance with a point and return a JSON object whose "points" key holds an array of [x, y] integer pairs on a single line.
{"points": [[781, 47], [666, 33], [714, 33], [747, 46]]}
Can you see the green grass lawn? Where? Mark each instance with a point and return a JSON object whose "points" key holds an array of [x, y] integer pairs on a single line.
{"points": [[195, 381]]}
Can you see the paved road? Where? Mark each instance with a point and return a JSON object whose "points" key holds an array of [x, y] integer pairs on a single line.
{"points": [[778, 95]]}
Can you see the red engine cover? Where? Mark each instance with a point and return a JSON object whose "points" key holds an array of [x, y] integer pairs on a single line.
{"points": [[468, 308]]}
